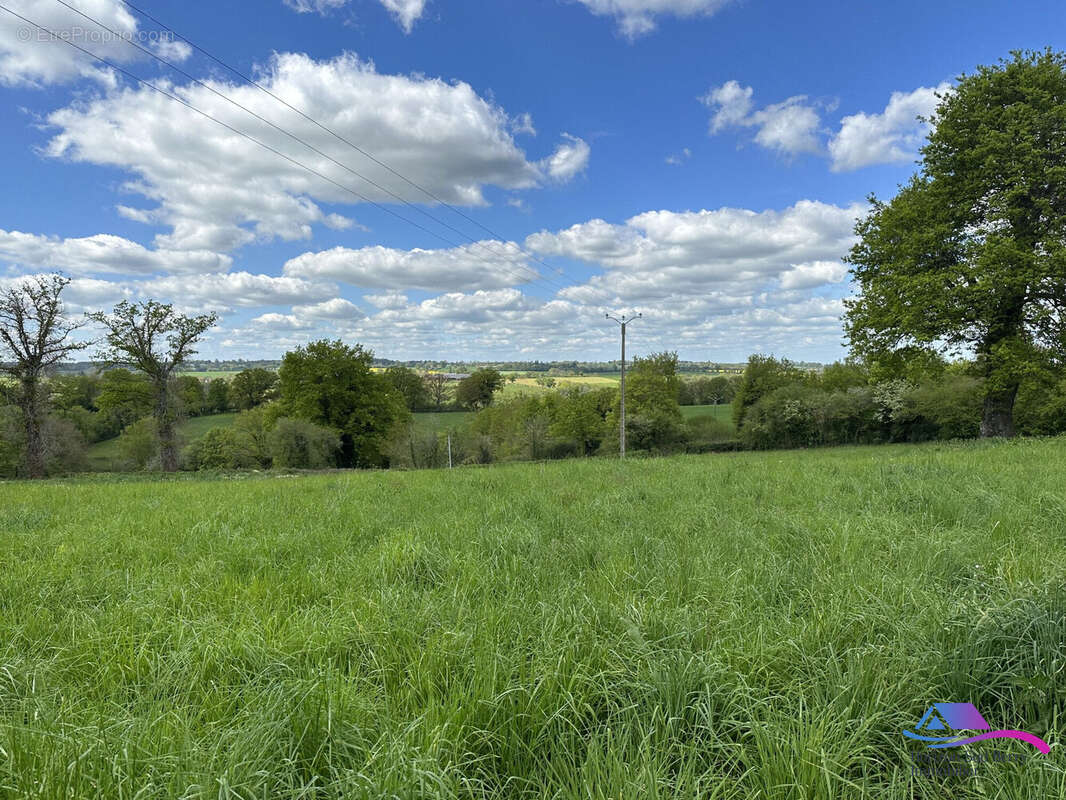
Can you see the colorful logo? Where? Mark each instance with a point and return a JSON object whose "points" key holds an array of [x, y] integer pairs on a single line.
{"points": [[964, 717]]}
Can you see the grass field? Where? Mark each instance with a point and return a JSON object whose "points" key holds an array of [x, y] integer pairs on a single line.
{"points": [[756, 625], [722, 413]]}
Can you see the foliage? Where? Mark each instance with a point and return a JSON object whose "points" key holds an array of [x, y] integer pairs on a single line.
{"points": [[155, 340], [139, 445], [762, 375], [190, 395], [475, 391], [125, 396], [299, 444], [250, 388], [222, 448], [34, 338], [970, 255], [331, 384], [410, 386], [653, 414], [217, 397]]}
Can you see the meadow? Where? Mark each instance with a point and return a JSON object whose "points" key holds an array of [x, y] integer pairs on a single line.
{"points": [[749, 625]]}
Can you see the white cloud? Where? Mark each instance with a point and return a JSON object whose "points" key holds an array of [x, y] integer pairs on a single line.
{"points": [[218, 191], [172, 50], [337, 308], [637, 17], [523, 124], [485, 265], [242, 289], [892, 136], [677, 159], [570, 158], [316, 6], [387, 300], [104, 254], [663, 253], [813, 275], [31, 57], [405, 12], [790, 127]]}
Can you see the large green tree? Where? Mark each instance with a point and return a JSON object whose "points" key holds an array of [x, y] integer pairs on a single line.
{"points": [[155, 340], [969, 258], [332, 384], [252, 387], [34, 338], [477, 389]]}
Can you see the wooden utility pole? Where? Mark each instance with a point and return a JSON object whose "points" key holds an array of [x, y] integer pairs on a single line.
{"points": [[623, 322]]}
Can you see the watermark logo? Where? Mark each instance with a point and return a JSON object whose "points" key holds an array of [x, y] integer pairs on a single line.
{"points": [[944, 717]]}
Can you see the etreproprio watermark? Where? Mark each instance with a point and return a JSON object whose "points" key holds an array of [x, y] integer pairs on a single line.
{"points": [[79, 35], [942, 764]]}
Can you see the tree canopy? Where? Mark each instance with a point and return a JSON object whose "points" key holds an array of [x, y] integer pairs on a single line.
{"points": [[332, 384], [969, 258]]}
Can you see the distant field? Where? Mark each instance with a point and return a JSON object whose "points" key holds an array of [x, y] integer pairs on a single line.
{"points": [[721, 412], [104, 455], [741, 626], [211, 374], [441, 421]]}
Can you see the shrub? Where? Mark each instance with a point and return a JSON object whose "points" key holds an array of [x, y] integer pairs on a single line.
{"points": [[299, 444], [139, 444], [221, 448], [702, 433]]}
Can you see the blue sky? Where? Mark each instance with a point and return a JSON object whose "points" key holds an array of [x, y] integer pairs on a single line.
{"points": [[701, 161]]}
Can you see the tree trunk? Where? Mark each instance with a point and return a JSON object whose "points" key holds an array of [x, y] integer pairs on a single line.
{"points": [[998, 418], [31, 415], [164, 421]]}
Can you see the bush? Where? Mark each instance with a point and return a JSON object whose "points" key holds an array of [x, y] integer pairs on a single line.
{"points": [[221, 448], [948, 409], [701, 434], [64, 447], [299, 444], [138, 444]]}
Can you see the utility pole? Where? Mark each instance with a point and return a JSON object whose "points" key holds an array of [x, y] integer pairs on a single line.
{"points": [[623, 322]]}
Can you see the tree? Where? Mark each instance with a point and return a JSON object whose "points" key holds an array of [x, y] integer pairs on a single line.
{"points": [[125, 396], [410, 386], [476, 390], [969, 258], [217, 399], [152, 338], [251, 388], [437, 384], [653, 419], [331, 384], [34, 337], [190, 392], [762, 375]]}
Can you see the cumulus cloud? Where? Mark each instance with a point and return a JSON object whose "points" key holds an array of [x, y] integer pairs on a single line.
{"points": [[217, 191], [337, 308], [570, 158], [104, 254], [241, 289], [659, 253], [30, 57], [637, 17], [486, 265], [813, 275], [892, 136], [789, 128]]}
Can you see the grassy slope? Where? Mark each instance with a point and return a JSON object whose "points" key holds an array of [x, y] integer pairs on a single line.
{"points": [[732, 626], [103, 456]]}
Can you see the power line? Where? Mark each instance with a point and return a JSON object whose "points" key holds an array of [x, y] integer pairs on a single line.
{"points": [[256, 141], [623, 323], [250, 81], [536, 276]]}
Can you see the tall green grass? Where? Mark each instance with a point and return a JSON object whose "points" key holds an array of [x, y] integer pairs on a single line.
{"points": [[756, 625]]}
